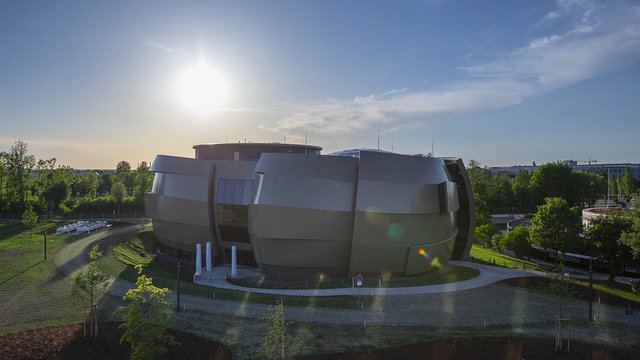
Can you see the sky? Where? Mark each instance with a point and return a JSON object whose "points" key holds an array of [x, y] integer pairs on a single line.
{"points": [[502, 82]]}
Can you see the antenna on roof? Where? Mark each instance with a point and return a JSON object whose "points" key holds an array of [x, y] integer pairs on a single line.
{"points": [[433, 154], [305, 140], [391, 142], [378, 135]]}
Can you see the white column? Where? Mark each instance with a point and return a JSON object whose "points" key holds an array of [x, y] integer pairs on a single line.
{"points": [[234, 262], [198, 259], [208, 259]]}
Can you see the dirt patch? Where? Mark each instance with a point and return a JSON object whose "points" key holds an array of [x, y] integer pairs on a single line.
{"points": [[67, 342], [489, 348], [583, 292], [7, 254]]}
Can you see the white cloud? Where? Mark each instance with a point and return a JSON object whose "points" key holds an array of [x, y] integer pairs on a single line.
{"points": [[600, 39]]}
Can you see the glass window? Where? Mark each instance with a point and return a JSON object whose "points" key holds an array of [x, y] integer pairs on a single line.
{"points": [[246, 196], [234, 191], [239, 190]]}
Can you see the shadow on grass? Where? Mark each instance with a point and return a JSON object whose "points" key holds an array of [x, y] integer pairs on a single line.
{"points": [[21, 272]]}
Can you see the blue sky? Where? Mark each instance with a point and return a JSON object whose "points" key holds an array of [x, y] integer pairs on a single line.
{"points": [[503, 82]]}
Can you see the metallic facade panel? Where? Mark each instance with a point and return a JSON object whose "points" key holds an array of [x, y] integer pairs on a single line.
{"points": [[426, 257], [401, 201], [180, 236], [301, 220]]}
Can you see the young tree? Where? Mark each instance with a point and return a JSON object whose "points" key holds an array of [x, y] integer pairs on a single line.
{"points": [[484, 233], [628, 182], [604, 233], [278, 343], [555, 226], [86, 285], [29, 219], [517, 240], [118, 192], [145, 319]]}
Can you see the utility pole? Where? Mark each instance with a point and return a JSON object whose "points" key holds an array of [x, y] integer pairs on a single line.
{"points": [[178, 276], [590, 291]]}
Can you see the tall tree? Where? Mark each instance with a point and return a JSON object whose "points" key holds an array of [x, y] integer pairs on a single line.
{"points": [[522, 191], [56, 194], [480, 183], [123, 167], [629, 184], [631, 237], [125, 175], [604, 234], [118, 192], [20, 164], [620, 188], [104, 185], [144, 181], [556, 226], [554, 180], [87, 186]]}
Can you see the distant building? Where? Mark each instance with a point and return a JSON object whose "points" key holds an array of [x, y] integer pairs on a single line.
{"points": [[615, 169]]}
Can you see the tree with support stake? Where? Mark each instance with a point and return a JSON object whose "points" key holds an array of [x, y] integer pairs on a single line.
{"points": [[86, 285]]}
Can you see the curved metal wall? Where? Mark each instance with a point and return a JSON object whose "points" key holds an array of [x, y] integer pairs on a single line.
{"points": [[179, 202], [301, 220], [404, 220]]}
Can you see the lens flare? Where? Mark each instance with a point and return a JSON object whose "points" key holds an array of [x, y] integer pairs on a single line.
{"points": [[395, 231]]}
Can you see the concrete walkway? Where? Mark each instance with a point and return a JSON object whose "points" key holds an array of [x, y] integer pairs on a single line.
{"points": [[488, 275], [71, 258]]}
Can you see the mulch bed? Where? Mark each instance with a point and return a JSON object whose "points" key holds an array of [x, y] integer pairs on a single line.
{"points": [[481, 348], [537, 282], [67, 342]]}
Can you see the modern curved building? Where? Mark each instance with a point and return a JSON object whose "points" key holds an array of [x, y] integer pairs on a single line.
{"points": [[297, 214]]}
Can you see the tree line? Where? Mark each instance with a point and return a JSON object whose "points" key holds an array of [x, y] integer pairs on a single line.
{"points": [[555, 196], [497, 193], [44, 187]]}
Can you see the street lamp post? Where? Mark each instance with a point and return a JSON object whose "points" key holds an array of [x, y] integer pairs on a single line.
{"points": [[178, 275], [590, 291]]}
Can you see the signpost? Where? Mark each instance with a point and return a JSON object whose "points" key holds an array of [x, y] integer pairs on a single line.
{"points": [[359, 280]]}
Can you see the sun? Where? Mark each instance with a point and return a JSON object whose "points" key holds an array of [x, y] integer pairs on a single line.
{"points": [[202, 89]]}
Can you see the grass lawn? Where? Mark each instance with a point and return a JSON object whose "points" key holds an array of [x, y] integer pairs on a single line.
{"points": [[493, 257], [615, 288], [32, 291]]}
